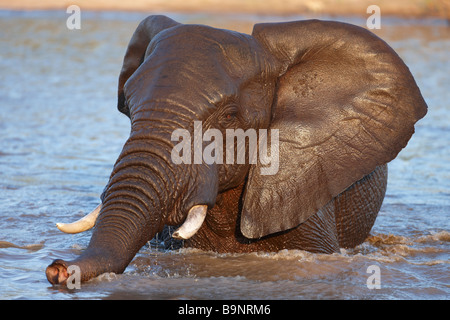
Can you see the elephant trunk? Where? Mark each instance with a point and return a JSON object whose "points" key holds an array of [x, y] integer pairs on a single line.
{"points": [[135, 207]]}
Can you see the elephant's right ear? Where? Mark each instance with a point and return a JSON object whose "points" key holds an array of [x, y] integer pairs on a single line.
{"points": [[136, 50], [345, 103]]}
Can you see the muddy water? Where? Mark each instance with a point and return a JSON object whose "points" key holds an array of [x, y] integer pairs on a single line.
{"points": [[61, 133]]}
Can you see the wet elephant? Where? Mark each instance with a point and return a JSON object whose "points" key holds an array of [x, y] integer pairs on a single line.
{"points": [[340, 101]]}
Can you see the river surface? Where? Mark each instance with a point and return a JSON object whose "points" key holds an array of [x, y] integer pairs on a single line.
{"points": [[61, 133]]}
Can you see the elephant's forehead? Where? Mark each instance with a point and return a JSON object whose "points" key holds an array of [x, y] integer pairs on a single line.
{"points": [[198, 44], [179, 78], [195, 62]]}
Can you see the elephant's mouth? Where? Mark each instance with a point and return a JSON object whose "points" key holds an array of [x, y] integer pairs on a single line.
{"points": [[190, 226]]}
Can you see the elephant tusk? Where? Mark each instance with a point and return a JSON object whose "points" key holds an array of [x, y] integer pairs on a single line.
{"points": [[193, 222], [85, 223]]}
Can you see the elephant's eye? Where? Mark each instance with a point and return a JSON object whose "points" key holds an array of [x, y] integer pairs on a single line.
{"points": [[229, 115]]}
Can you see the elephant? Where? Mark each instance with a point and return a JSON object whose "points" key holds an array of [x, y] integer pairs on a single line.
{"points": [[341, 100]]}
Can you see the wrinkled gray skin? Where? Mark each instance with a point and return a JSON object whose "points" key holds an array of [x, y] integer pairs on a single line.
{"points": [[344, 103]]}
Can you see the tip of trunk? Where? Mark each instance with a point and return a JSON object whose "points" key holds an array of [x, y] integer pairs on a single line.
{"points": [[57, 272], [92, 263]]}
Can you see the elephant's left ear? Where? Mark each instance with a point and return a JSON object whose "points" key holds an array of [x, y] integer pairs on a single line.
{"points": [[136, 50], [345, 103]]}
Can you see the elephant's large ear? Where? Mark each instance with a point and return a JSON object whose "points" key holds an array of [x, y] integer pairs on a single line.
{"points": [[345, 103], [136, 51]]}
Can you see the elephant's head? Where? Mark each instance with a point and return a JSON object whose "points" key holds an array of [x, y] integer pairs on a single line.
{"points": [[342, 100]]}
